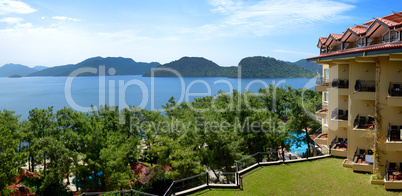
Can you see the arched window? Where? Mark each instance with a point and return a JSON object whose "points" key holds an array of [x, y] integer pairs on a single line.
{"points": [[390, 36], [361, 42]]}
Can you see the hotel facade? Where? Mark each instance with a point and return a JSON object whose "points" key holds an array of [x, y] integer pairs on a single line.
{"points": [[361, 109]]}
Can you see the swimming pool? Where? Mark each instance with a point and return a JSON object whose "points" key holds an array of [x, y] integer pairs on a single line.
{"points": [[298, 150]]}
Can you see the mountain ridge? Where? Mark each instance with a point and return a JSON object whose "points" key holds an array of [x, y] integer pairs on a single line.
{"points": [[122, 66], [251, 67]]}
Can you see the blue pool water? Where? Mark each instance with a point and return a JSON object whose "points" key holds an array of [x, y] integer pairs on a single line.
{"points": [[302, 148]]}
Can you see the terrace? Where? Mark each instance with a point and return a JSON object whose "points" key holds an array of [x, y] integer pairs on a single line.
{"points": [[341, 86], [322, 84], [339, 147], [339, 118], [340, 83], [322, 112], [393, 176], [340, 114], [395, 94], [321, 139], [362, 122], [364, 89], [394, 138], [363, 162]]}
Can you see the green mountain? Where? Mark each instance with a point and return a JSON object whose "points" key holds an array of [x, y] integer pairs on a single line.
{"points": [[267, 67], [15, 69], [192, 67], [315, 68], [251, 67], [122, 66]]}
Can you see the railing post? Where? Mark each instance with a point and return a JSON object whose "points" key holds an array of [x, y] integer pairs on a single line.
{"points": [[173, 187], [258, 158], [131, 192], [237, 173], [207, 178]]}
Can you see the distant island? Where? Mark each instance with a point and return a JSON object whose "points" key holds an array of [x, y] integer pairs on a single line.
{"points": [[251, 67], [267, 67], [15, 76], [192, 67], [122, 66]]}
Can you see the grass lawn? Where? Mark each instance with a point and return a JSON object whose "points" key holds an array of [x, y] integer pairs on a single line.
{"points": [[319, 177]]}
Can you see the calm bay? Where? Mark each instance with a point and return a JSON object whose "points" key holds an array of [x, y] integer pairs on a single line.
{"points": [[23, 94]]}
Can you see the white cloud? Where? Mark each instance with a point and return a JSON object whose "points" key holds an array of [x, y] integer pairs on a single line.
{"points": [[267, 17], [57, 45], [65, 18], [11, 20], [17, 7]]}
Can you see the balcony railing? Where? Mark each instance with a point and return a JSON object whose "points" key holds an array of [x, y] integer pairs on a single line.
{"points": [[365, 86], [340, 114], [350, 45], [360, 156], [322, 81], [394, 133], [340, 144], [318, 107], [392, 173], [340, 83], [395, 89], [361, 122]]}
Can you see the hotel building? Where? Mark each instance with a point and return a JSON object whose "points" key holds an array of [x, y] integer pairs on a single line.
{"points": [[362, 97]]}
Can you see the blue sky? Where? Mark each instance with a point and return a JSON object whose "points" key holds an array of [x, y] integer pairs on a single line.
{"points": [[49, 33]]}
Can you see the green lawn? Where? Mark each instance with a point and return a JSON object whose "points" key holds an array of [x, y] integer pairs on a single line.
{"points": [[319, 177]]}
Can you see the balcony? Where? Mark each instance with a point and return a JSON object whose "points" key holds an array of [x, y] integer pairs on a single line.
{"points": [[339, 148], [361, 122], [364, 90], [342, 86], [322, 112], [395, 94], [363, 162], [322, 84], [340, 118], [322, 139], [393, 176], [394, 138]]}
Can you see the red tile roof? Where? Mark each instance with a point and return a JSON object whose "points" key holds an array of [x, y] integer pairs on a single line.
{"points": [[362, 49], [323, 39], [391, 21], [336, 36], [359, 30]]}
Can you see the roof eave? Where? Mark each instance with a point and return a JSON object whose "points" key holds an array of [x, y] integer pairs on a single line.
{"points": [[356, 54]]}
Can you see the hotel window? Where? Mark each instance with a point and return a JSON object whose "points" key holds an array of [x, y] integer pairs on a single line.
{"points": [[390, 36], [326, 97], [326, 73], [361, 42], [325, 122], [345, 45]]}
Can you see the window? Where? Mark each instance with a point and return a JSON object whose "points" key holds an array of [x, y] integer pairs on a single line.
{"points": [[326, 97], [345, 45], [325, 122], [326, 73], [361, 42], [390, 36]]}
